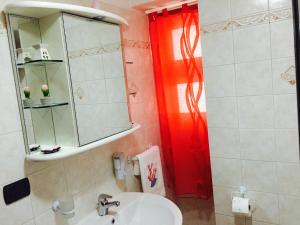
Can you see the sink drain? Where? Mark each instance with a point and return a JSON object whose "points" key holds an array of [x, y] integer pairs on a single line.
{"points": [[113, 221]]}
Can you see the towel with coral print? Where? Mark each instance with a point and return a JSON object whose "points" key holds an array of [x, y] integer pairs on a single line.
{"points": [[151, 172], [152, 175]]}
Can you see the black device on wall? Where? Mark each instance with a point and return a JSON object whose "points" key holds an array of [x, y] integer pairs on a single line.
{"points": [[297, 55], [16, 191]]}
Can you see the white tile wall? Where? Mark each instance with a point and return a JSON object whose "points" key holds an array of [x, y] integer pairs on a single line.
{"points": [[11, 158], [252, 43], [255, 143], [289, 213], [47, 185], [10, 119], [256, 111], [84, 172], [288, 178], [285, 111], [5, 60], [260, 176], [218, 48], [287, 141], [226, 172], [17, 213], [242, 7], [215, 10], [282, 38], [224, 142], [222, 112], [275, 4], [254, 78], [221, 80], [222, 199]]}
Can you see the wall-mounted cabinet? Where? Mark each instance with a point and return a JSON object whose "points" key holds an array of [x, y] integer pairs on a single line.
{"points": [[69, 75]]}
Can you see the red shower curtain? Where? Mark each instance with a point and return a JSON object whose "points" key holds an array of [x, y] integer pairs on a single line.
{"points": [[176, 49]]}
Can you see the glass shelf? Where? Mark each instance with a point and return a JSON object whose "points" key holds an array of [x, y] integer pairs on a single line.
{"points": [[41, 106], [39, 62]]}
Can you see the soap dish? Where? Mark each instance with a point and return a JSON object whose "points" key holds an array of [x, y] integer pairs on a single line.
{"points": [[51, 150]]}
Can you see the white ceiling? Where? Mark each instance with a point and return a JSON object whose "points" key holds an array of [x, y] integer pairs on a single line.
{"points": [[151, 4]]}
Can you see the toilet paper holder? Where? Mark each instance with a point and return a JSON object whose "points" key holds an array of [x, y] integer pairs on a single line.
{"points": [[241, 193], [241, 204]]}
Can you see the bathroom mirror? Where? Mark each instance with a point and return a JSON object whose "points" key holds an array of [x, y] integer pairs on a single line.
{"points": [[70, 80], [97, 76]]}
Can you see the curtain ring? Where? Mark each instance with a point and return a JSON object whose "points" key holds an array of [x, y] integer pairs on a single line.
{"points": [[153, 16], [185, 7], [165, 12]]}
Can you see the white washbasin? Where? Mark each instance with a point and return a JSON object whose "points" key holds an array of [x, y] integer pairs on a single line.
{"points": [[138, 209]]}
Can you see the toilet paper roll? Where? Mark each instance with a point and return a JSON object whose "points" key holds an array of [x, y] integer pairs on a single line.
{"points": [[241, 206]]}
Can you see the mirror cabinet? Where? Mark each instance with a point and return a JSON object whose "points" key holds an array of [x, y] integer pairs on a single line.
{"points": [[70, 80]]}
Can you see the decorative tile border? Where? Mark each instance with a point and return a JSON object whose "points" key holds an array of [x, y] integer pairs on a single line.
{"points": [[250, 20], [95, 51], [280, 15], [216, 27], [110, 48], [256, 19], [289, 75], [136, 44]]}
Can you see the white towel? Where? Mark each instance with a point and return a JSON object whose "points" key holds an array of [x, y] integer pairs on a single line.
{"points": [[151, 171]]}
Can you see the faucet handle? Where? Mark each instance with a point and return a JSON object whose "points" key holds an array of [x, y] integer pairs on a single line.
{"points": [[103, 197]]}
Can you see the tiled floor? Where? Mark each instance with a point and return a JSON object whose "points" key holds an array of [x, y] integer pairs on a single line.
{"points": [[196, 211]]}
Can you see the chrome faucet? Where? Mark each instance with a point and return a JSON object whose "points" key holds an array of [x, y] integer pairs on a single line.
{"points": [[103, 205]]}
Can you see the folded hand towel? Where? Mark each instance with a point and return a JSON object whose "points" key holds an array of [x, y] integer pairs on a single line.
{"points": [[151, 171]]}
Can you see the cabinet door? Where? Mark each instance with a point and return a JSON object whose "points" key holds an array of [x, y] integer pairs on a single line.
{"points": [[97, 75]]}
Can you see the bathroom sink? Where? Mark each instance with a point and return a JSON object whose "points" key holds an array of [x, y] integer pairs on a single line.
{"points": [[138, 209]]}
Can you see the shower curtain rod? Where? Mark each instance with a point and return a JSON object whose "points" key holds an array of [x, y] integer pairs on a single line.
{"points": [[172, 6]]}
